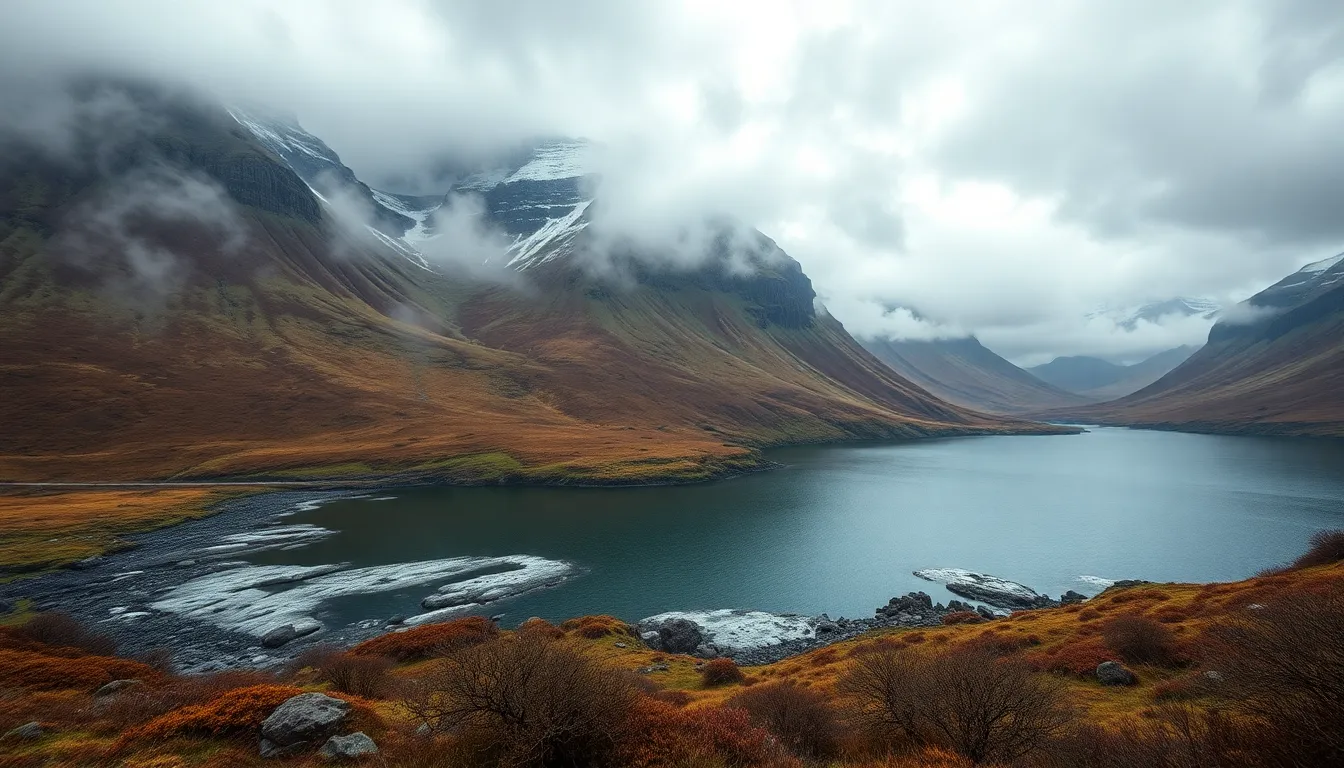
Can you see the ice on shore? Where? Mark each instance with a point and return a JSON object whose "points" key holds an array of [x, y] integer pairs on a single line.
{"points": [[245, 599], [734, 630]]}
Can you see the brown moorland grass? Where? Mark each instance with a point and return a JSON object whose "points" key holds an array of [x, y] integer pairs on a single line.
{"points": [[46, 529]]}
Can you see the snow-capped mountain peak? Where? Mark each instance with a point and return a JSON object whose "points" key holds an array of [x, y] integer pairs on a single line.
{"points": [[1153, 311]]}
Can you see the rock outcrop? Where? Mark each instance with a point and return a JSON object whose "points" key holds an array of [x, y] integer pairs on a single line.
{"points": [[301, 723]]}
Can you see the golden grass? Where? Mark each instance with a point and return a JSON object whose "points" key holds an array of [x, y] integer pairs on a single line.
{"points": [[47, 529]]}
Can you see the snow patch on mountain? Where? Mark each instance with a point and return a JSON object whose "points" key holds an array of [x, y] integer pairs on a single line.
{"points": [[549, 241], [555, 160], [1317, 267]]}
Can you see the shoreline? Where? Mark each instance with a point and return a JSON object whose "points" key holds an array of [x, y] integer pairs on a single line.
{"points": [[115, 594]]}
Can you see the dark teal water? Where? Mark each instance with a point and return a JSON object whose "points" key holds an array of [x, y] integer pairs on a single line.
{"points": [[840, 528]]}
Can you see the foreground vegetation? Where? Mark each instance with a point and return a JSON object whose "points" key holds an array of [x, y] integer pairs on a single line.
{"points": [[1242, 674]]}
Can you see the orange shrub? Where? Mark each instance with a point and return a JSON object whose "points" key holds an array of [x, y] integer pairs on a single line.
{"points": [[720, 672], [1171, 614], [962, 617], [36, 671], [913, 638], [1141, 640], [430, 640], [1088, 614], [661, 735], [1078, 658], [1326, 547], [593, 627], [541, 627], [237, 712]]}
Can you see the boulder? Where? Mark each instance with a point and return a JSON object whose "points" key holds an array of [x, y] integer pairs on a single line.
{"points": [[116, 686], [984, 612], [301, 723], [706, 651], [1072, 597], [351, 747], [279, 636], [1115, 673], [826, 628], [26, 732], [678, 636], [396, 620]]}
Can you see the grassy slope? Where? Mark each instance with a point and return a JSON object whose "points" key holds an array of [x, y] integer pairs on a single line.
{"points": [[1292, 385]]}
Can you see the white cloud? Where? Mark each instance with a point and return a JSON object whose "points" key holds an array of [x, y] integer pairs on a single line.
{"points": [[1004, 172]]}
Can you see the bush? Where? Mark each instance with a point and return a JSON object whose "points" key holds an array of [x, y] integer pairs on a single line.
{"points": [[430, 640], [36, 671], [144, 703], [238, 712], [802, 719], [1171, 737], [1077, 658], [1283, 665], [63, 630], [1140, 640], [962, 617], [526, 700], [661, 735], [541, 627], [720, 672], [593, 627], [366, 676], [987, 709]]}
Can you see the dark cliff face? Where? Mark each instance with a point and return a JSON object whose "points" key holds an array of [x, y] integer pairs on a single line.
{"points": [[157, 128], [773, 285]]}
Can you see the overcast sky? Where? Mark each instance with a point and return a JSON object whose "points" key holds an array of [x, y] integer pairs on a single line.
{"points": [[1004, 168]]}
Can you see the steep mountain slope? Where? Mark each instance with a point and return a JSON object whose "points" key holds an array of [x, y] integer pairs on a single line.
{"points": [[1273, 365], [176, 302], [963, 371]]}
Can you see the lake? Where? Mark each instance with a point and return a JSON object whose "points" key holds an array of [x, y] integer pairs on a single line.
{"points": [[839, 529]]}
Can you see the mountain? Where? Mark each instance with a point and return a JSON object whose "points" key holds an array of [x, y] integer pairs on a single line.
{"points": [[1129, 318], [1078, 373], [965, 372], [1141, 374], [1273, 364], [177, 301]]}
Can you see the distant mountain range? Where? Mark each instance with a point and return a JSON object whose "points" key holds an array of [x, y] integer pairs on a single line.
{"points": [[186, 301], [965, 372], [1273, 364], [1096, 379]]}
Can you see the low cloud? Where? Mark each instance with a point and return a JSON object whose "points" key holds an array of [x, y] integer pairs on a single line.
{"points": [[138, 237], [1246, 313]]}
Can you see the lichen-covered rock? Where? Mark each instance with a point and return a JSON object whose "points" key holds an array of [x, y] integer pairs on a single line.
{"points": [[351, 747], [1115, 673], [116, 686], [301, 723], [26, 732]]}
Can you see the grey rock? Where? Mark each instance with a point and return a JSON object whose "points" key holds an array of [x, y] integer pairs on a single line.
{"points": [[351, 747], [706, 651], [620, 645], [675, 636], [301, 723], [116, 686], [185, 563], [827, 627], [649, 638], [1115, 673], [984, 612], [26, 732], [424, 731], [279, 636], [652, 668], [396, 620], [498, 617], [1072, 597], [1214, 676]]}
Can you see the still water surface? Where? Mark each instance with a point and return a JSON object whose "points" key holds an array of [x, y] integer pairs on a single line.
{"points": [[840, 528]]}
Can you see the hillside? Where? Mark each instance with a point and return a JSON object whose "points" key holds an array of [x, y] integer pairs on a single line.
{"points": [[1272, 365], [965, 372], [1141, 374], [191, 309]]}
